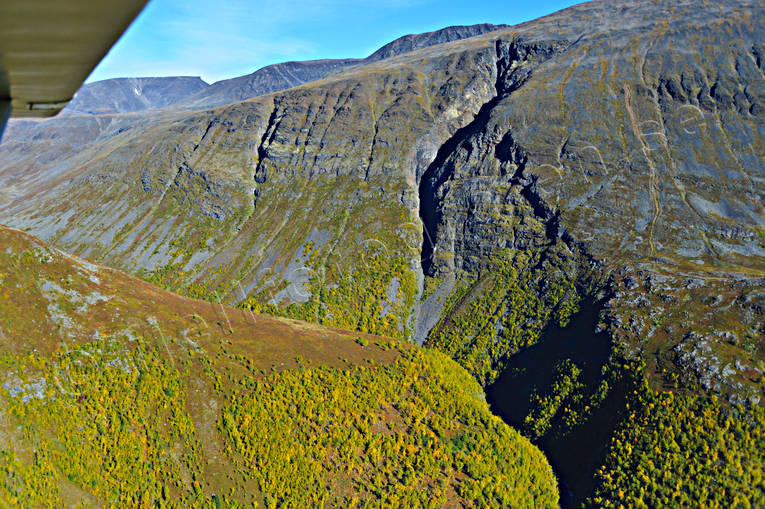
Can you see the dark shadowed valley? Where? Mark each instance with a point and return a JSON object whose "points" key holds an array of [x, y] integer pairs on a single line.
{"points": [[486, 266]]}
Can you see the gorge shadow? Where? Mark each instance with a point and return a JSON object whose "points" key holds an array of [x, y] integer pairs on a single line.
{"points": [[576, 455]]}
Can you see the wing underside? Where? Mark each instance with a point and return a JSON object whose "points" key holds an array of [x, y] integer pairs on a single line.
{"points": [[48, 48]]}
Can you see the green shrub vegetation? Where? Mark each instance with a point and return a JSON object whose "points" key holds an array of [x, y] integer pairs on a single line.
{"points": [[684, 450], [495, 316], [354, 299], [108, 422], [411, 434], [30, 484], [545, 407], [670, 449]]}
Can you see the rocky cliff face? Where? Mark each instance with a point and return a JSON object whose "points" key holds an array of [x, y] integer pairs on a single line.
{"points": [[309, 173], [466, 194], [620, 141], [623, 136]]}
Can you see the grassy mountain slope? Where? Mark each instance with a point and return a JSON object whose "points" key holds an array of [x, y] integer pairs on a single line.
{"points": [[474, 195], [534, 140], [118, 393], [233, 202]]}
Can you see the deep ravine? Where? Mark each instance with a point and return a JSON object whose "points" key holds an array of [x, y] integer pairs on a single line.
{"points": [[577, 455], [515, 62]]}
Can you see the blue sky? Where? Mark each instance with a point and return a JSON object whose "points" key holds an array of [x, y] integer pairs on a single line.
{"points": [[223, 39]]}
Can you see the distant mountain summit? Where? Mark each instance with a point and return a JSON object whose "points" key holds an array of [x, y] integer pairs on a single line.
{"points": [[413, 42], [274, 78], [271, 78], [122, 95]]}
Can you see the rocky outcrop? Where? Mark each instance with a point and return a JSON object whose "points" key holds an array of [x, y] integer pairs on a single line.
{"points": [[482, 195], [610, 138], [586, 122], [596, 152]]}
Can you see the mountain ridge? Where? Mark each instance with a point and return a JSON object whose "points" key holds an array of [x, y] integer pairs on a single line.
{"points": [[472, 195], [114, 95], [276, 77], [123, 95]]}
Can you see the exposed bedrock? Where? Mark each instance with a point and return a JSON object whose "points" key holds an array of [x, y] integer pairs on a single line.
{"points": [[617, 136]]}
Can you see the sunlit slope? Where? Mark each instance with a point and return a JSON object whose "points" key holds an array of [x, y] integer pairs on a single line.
{"points": [[631, 129], [255, 201], [609, 153], [114, 392]]}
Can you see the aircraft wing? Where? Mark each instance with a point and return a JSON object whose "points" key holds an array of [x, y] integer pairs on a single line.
{"points": [[49, 47]]}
